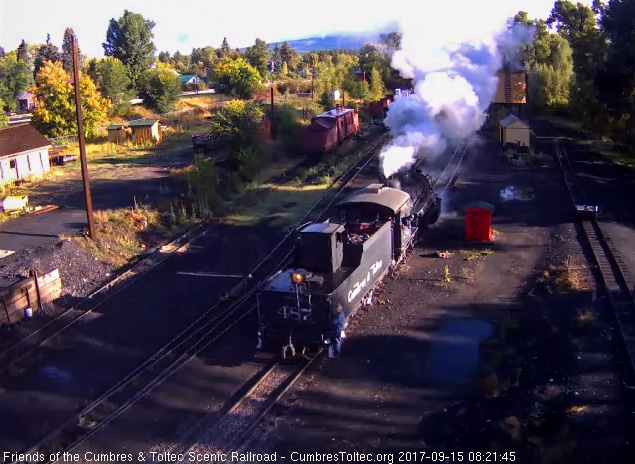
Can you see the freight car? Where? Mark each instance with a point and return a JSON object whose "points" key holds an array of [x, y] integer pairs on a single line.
{"points": [[379, 109], [329, 129], [341, 260]]}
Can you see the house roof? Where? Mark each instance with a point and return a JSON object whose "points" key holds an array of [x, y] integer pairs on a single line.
{"points": [[115, 126], [511, 119], [143, 122], [21, 138], [185, 78], [378, 194]]}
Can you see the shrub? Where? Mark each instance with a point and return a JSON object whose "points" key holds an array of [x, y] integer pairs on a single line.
{"points": [[327, 101], [288, 127]]}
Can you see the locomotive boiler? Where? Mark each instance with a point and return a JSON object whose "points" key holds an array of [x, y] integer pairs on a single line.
{"points": [[340, 261]]}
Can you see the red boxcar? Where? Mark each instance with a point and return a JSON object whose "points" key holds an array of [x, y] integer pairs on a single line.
{"points": [[329, 129], [378, 109]]}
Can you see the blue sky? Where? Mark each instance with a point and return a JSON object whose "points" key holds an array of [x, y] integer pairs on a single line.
{"points": [[183, 25]]}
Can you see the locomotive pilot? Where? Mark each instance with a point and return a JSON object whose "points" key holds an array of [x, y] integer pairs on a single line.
{"points": [[338, 322]]}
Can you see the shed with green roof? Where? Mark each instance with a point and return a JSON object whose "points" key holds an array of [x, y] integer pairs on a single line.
{"points": [[144, 130]]}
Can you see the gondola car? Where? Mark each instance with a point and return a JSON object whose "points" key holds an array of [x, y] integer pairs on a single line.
{"points": [[340, 261], [329, 129]]}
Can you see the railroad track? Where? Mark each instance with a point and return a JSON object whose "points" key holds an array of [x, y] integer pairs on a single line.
{"points": [[233, 426], [611, 270], [448, 175], [208, 328], [29, 344]]}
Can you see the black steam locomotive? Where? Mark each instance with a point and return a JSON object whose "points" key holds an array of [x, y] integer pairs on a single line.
{"points": [[341, 260]]}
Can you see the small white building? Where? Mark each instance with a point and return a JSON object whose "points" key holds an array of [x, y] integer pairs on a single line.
{"points": [[515, 131], [23, 152]]}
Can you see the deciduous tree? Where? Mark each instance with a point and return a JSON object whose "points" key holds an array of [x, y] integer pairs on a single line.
{"points": [[55, 113], [237, 122], [15, 77], [258, 56], [4, 119], [129, 39], [160, 87], [237, 77], [111, 78]]}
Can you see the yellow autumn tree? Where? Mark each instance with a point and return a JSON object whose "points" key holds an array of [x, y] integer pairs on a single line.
{"points": [[55, 113]]}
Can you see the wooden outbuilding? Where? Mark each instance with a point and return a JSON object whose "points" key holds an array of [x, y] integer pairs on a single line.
{"points": [[478, 221], [144, 130], [23, 152], [117, 133], [514, 131]]}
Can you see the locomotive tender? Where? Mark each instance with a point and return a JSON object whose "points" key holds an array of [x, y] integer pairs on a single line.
{"points": [[341, 260]]}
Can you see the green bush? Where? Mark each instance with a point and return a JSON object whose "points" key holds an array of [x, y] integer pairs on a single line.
{"points": [[288, 127], [327, 101], [249, 163]]}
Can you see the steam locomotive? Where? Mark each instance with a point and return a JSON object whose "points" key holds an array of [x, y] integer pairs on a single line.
{"points": [[341, 260]]}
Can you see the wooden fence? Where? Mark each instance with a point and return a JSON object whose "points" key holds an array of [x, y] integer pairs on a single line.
{"points": [[31, 293]]}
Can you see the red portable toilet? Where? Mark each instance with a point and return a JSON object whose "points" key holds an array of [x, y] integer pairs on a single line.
{"points": [[478, 221]]}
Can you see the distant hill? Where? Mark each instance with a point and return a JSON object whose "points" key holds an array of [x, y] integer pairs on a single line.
{"points": [[329, 42]]}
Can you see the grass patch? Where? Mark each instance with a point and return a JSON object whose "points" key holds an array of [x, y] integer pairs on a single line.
{"points": [[564, 277], [123, 234], [281, 205]]}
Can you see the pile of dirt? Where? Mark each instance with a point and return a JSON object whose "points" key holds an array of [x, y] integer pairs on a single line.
{"points": [[79, 271]]}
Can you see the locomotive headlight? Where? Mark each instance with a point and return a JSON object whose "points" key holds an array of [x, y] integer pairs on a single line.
{"points": [[296, 278]]}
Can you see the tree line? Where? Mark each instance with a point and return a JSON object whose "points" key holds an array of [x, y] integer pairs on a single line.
{"points": [[586, 68], [130, 69]]}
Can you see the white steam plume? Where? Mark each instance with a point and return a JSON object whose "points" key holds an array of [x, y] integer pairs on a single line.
{"points": [[453, 59]]}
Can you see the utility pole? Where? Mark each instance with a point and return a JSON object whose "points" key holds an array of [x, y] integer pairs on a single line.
{"points": [[273, 133], [82, 145], [313, 84]]}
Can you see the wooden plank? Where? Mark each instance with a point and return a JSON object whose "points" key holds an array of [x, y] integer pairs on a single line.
{"points": [[50, 277], [15, 296]]}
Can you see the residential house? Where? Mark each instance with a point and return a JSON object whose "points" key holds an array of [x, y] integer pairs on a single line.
{"points": [[23, 152], [146, 129], [190, 82], [26, 102]]}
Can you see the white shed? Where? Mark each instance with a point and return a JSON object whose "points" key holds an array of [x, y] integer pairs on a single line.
{"points": [[514, 130]]}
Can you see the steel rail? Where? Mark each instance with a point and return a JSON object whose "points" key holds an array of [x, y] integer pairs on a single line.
{"points": [[610, 268], [176, 353]]}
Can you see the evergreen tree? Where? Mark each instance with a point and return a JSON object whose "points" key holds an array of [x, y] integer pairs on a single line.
{"points": [[377, 88], [47, 52], [286, 52], [67, 51], [23, 51], [225, 49], [129, 39]]}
